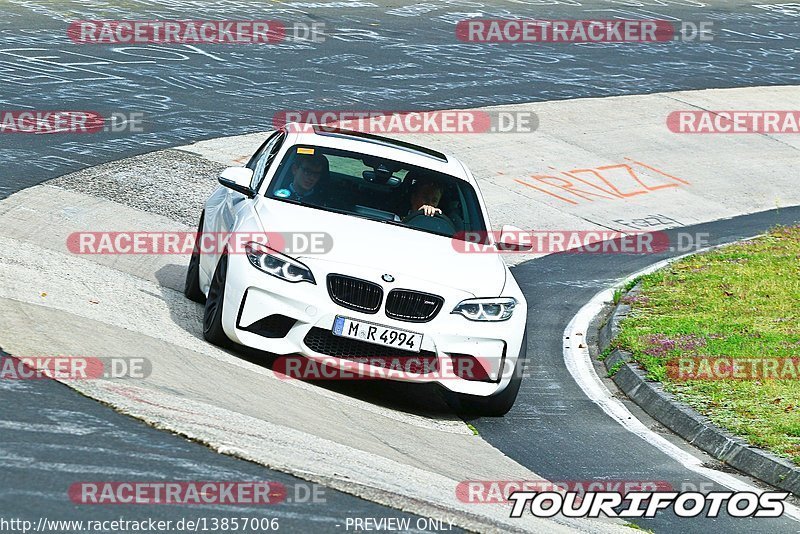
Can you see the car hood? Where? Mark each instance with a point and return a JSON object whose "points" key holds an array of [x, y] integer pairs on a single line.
{"points": [[386, 248]]}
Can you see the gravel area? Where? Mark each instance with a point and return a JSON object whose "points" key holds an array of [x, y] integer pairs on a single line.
{"points": [[158, 182]]}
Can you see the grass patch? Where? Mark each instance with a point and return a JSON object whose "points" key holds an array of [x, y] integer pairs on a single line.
{"points": [[620, 292], [741, 302], [606, 353], [637, 527], [618, 295], [632, 283]]}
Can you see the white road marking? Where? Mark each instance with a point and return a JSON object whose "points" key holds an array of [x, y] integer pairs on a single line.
{"points": [[579, 364]]}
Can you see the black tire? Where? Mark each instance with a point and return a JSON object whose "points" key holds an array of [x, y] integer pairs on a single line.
{"points": [[212, 315], [192, 287], [498, 405]]}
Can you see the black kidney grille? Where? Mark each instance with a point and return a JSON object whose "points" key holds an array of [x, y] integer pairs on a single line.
{"points": [[354, 293], [412, 306]]}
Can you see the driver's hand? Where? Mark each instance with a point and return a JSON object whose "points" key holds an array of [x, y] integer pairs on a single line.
{"points": [[430, 211]]}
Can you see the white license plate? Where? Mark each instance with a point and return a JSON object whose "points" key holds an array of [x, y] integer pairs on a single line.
{"points": [[375, 333]]}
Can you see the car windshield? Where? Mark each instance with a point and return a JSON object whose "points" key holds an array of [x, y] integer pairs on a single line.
{"points": [[389, 191]]}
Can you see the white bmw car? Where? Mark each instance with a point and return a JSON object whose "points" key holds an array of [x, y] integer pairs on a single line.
{"points": [[392, 280]]}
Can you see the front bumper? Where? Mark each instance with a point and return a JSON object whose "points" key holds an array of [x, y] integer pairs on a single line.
{"points": [[301, 317]]}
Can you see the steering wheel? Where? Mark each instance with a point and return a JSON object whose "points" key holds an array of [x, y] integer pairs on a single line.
{"points": [[438, 223]]}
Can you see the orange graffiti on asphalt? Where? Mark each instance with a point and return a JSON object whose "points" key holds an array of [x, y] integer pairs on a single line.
{"points": [[607, 182]]}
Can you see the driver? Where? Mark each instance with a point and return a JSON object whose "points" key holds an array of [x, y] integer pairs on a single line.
{"points": [[425, 197]]}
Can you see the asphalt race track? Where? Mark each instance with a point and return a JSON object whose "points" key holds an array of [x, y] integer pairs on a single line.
{"points": [[378, 56], [561, 434], [52, 437]]}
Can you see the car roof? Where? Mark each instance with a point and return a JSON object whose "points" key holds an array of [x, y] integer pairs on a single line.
{"points": [[375, 145]]}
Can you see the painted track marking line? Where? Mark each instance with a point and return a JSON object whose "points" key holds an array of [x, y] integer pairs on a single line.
{"points": [[579, 364]]}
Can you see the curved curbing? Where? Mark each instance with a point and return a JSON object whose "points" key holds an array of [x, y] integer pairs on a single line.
{"points": [[695, 428]]}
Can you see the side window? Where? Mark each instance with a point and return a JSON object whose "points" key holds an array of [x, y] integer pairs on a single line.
{"points": [[261, 161]]}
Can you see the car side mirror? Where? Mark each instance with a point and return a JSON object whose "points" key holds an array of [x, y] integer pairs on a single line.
{"points": [[238, 179], [513, 239]]}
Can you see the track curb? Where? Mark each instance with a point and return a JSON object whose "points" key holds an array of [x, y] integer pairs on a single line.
{"points": [[695, 428]]}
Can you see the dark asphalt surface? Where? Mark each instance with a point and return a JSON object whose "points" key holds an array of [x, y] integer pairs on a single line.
{"points": [[52, 437], [554, 429], [379, 56]]}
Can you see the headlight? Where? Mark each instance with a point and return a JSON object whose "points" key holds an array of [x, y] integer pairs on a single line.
{"points": [[272, 262], [492, 309]]}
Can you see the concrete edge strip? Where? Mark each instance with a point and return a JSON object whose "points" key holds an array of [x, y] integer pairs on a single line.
{"points": [[393, 495], [189, 342], [579, 364], [687, 422]]}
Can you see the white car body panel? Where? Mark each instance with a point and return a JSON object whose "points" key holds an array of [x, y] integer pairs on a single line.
{"points": [[367, 250]]}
